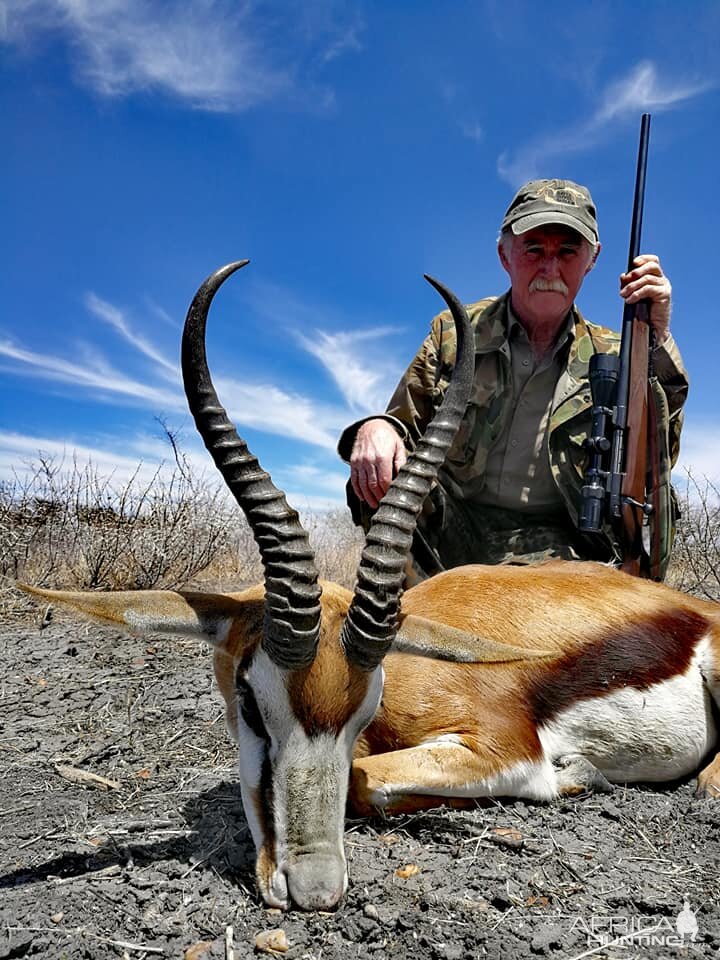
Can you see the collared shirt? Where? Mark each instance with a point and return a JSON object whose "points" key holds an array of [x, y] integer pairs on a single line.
{"points": [[518, 474]]}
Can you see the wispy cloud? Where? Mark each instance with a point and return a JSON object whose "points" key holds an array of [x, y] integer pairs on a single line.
{"points": [[357, 360], [96, 374], [348, 40], [116, 319], [364, 380], [213, 54], [321, 482], [20, 456], [308, 487], [472, 130], [642, 90], [258, 404]]}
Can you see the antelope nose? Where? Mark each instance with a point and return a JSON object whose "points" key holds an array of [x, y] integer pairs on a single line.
{"points": [[317, 883]]}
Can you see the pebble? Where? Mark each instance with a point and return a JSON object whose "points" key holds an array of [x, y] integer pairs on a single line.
{"points": [[272, 941]]}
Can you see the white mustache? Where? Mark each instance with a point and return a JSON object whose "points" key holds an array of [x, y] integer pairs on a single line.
{"points": [[541, 285]]}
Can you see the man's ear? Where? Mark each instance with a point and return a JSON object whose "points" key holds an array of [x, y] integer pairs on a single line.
{"points": [[503, 258], [596, 254]]}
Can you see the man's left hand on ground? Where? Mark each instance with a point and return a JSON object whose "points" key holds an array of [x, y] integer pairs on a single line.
{"points": [[646, 281]]}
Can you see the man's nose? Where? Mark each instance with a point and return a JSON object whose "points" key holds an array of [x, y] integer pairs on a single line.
{"points": [[551, 266]]}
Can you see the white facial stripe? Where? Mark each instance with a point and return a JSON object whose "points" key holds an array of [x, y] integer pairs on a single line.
{"points": [[364, 713], [309, 779], [251, 752], [249, 799]]}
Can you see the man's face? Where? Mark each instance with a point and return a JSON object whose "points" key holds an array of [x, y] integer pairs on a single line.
{"points": [[546, 267]]}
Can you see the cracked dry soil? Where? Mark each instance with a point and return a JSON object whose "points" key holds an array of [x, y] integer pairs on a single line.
{"points": [[159, 862]]}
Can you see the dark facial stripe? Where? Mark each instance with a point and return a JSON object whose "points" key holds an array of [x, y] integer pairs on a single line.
{"points": [[249, 710], [639, 656]]}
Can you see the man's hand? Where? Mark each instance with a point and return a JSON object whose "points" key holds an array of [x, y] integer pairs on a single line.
{"points": [[646, 281], [377, 455]]}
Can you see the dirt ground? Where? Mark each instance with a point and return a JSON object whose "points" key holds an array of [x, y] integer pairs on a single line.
{"points": [[158, 861]]}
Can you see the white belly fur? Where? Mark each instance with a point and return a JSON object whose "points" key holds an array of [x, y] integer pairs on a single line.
{"points": [[656, 734]]}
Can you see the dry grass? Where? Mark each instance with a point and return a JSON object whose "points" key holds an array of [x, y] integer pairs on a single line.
{"points": [[695, 566], [76, 529]]}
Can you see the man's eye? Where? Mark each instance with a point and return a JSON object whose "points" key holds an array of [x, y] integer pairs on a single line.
{"points": [[568, 252]]}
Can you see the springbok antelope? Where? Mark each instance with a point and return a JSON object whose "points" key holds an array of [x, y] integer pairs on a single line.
{"points": [[487, 681]]}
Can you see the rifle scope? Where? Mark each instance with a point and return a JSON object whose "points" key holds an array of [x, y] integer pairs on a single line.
{"points": [[603, 371]]}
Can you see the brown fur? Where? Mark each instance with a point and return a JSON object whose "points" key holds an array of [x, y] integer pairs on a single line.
{"points": [[603, 629], [608, 628], [330, 690]]}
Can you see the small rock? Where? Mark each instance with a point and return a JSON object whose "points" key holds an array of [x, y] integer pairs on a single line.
{"points": [[352, 931], [199, 951], [448, 951], [272, 941], [501, 902], [387, 916], [506, 837], [369, 926]]}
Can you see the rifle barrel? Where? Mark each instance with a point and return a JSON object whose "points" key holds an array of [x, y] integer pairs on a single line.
{"points": [[617, 456], [639, 198]]}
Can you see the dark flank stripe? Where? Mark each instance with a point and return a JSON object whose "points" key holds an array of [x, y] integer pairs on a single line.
{"points": [[642, 654]]}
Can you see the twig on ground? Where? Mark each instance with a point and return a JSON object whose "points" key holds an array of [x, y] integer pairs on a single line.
{"points": [[85, 778]]}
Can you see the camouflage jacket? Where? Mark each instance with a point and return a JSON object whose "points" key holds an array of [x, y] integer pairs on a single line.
{"points": [[422, 387]]}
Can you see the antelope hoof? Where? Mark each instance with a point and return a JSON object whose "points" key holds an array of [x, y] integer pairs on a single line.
{"points": [[576, 775], [708, 787], [367, 796]]}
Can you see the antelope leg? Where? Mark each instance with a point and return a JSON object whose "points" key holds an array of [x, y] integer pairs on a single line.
{"points": [[708, 784], [428, 775]]}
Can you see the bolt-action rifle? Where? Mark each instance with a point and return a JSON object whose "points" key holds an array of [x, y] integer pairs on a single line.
{"points": [[621, 482]]}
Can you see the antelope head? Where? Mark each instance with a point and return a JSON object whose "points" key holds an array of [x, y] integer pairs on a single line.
{"points": [[299, 665], [313, 680]]}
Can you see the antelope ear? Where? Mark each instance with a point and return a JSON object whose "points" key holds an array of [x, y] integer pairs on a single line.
{"points": [[430, 638], [206, 616]]}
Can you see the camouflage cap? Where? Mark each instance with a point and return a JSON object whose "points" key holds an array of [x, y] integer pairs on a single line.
{"points": [[540, 202]]}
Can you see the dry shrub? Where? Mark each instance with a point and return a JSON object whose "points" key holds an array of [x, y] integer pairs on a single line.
{"points": [[76, 529], [695, 566], [73, 528], [337, 543]]}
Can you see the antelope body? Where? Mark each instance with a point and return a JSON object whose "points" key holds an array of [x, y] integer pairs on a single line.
{"points": [[486, 681]]}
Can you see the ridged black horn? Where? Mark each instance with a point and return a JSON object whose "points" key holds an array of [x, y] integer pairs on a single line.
{"points": [[292, 593], [371, 623]]}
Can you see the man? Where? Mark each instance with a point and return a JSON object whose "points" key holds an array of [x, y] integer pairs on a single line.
{"points": [[509, 491]]}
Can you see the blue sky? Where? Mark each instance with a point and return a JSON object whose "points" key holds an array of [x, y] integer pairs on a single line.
{"points": [[346, 148]]}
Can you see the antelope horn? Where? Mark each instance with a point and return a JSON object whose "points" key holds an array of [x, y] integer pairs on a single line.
{"points": [[371, 623], [292, 593]]}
